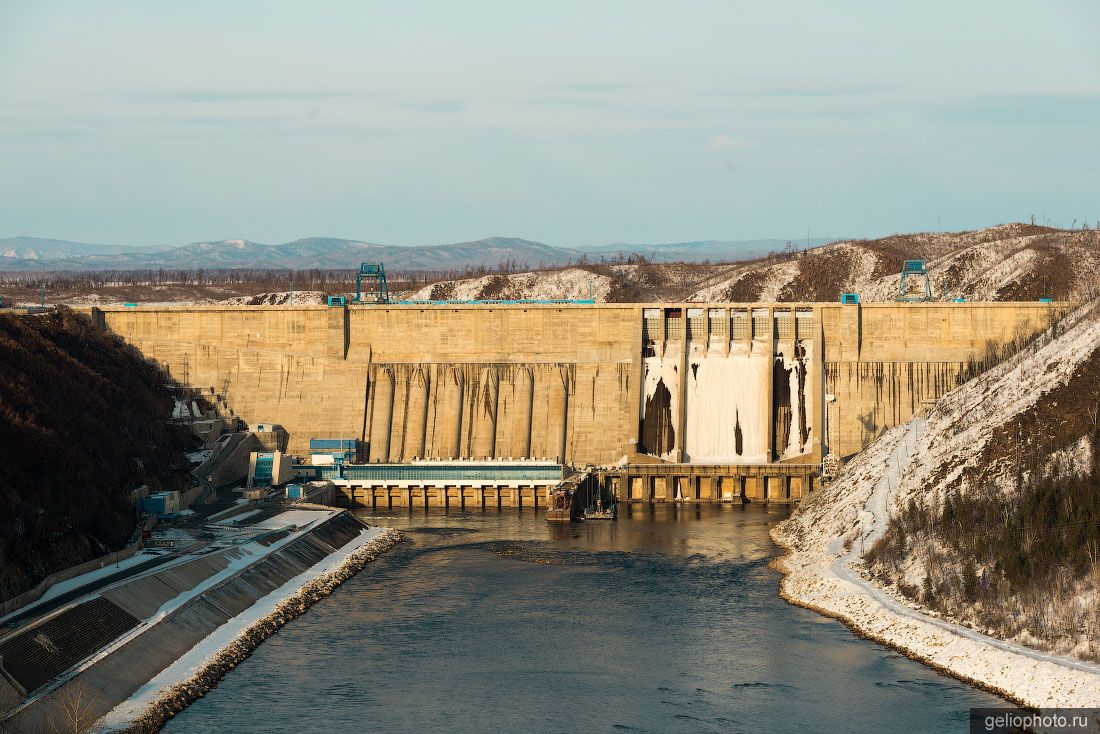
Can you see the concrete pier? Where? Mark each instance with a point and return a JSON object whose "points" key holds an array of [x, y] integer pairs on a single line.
{"points": [[735, 483], [444, 497]]}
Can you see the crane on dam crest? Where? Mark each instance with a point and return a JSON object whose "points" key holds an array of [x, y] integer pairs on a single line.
{"points": [[370, 287], [377, 290], [917, 270]]}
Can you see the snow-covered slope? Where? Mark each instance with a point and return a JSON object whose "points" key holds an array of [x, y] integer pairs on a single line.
{"points": [[981, 437], [1010, 262], [964, 444], [571, 283], [300, 298], [1006, 262]]}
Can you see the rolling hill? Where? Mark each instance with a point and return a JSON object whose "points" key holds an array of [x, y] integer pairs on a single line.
{"points": [[1005, 262], [42, 249]]}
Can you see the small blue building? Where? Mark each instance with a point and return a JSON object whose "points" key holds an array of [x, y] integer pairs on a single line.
{"points": [[161, 504]]}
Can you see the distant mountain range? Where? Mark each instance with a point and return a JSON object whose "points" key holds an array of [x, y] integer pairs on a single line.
{"points": [[33, 254], [39, 248]]}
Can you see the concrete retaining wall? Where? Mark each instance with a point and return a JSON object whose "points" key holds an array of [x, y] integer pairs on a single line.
{"points": [[33, 595], [117, 676]]}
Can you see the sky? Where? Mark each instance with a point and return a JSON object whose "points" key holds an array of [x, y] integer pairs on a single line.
{"points": [[571, 123]]}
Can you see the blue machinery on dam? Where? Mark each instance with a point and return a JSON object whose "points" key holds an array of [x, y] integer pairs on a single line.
{"points": [[436, 472]]}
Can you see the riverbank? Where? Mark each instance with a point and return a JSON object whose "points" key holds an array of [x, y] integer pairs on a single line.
{"points": [[201, 668], [823, 544]]}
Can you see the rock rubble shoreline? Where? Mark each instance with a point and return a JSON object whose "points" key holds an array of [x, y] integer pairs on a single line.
{"points": [[181, 695]]}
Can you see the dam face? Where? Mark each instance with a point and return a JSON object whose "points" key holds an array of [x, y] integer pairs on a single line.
{"points": [[689, 384]]}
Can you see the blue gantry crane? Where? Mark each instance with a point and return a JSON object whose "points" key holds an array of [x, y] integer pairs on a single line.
{"points": [[370, 284], [915, 269]]}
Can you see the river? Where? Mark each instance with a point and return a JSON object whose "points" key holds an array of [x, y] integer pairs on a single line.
{"points": [[666, 620]]}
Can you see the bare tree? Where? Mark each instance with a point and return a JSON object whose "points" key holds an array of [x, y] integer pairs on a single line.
{"points": [[1093, 412], [75, 710]]}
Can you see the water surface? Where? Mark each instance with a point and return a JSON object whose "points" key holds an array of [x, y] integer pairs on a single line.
{"points": [[666, 620]]}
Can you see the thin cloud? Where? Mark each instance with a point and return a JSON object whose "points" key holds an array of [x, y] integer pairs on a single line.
{"points": [[1040, 108], [806, 90], [246, 120], [577, 99], [240, 95], [443, 105], [589, 87], [731, 142]]}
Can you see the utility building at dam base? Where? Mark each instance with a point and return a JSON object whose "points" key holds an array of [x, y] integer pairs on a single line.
{"points": [[707, 402]]}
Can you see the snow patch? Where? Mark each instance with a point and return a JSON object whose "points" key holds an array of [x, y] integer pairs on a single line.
{"points": [[568, 284]]}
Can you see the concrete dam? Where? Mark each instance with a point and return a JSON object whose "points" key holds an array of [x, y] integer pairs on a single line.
{"points": [[685, 401]]}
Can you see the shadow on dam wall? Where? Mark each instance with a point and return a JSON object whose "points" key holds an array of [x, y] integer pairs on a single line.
{"points": [[446, 411], [658, 434], [740, 383]]}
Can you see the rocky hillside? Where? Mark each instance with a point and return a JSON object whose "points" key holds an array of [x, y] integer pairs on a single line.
{"points": [[83, 423], [282, 298], [1006, 262], [1011, 262], [570, 283], [995, 522], [610, 283]]}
